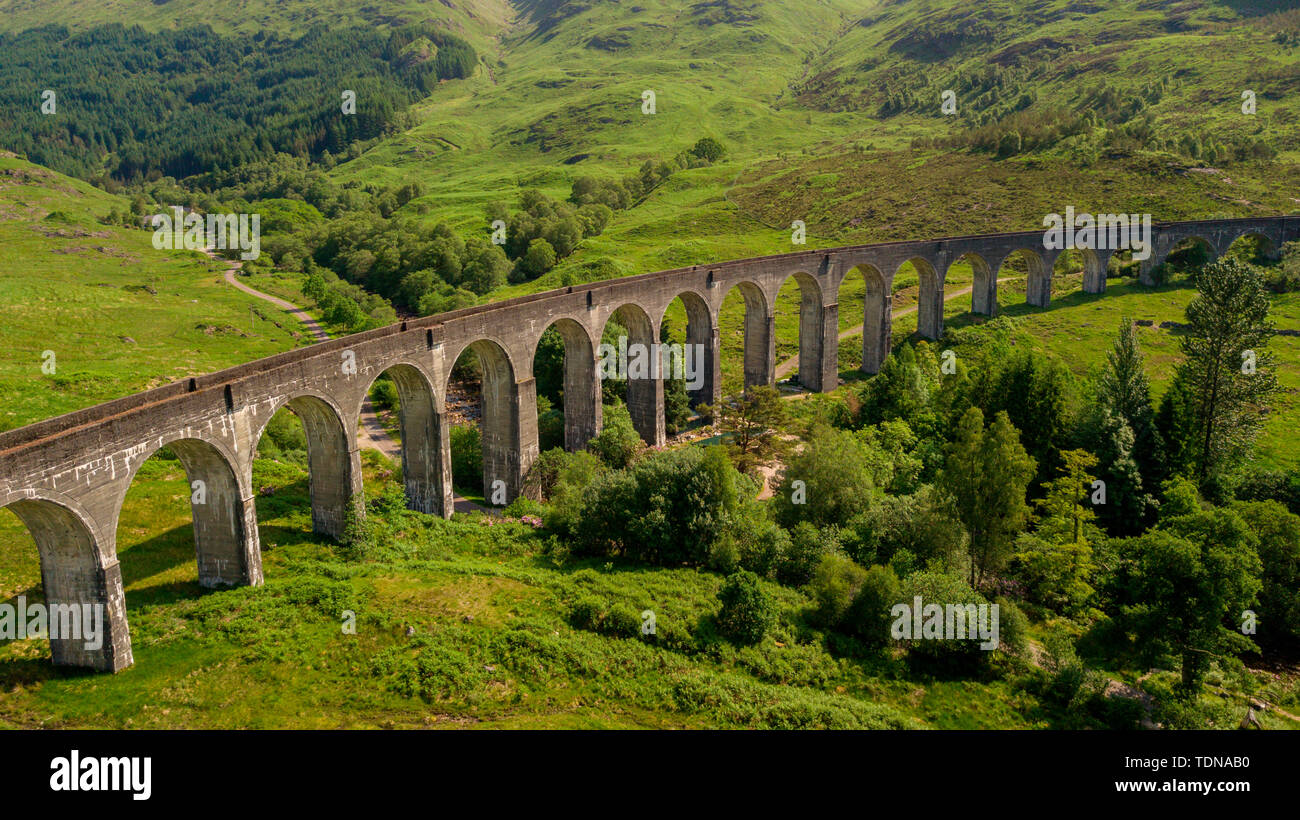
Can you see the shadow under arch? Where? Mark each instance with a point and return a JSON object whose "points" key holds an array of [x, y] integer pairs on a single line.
{"points": [[79, 580], [760, 335], [1185, 253], [426, 472], [645, 388], [506, 454], [333, 478], [226, 541], [811, 343], [580, 383]]}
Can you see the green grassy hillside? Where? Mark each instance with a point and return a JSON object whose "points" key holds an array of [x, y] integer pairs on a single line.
{"points": [[119, 316]]}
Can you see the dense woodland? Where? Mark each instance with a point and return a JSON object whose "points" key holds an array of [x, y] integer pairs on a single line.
{"points": [[132, 104]]}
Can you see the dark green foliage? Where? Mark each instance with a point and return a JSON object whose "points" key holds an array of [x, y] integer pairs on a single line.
{"points": [[1183, 587], [808, 545], [707, 148], [669, 509], [1278, 532], [1175, 423], [466, 456], [868, 616], [1229, 329], [1036, 393], [746, 612], [618, 442], [384, 393], [834, 587], [835, 469], [138, 103], [677, 405]]}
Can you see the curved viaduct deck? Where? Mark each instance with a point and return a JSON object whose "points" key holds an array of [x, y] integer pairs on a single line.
{"points": [[66, 477]]}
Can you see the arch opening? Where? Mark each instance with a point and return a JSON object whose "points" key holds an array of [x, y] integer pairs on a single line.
{"points": [[974, 269], [493, 439], [745, 322], [1182, 258], [690, 357], [308, 432], [401, 419], [632, 340], [1022, 277], [803, 354], [851, 298], [568, 390], [80, 588], [877, 325]]}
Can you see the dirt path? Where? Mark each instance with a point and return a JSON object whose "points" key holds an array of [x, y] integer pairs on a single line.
{"points": [[371, 433], [232, 276]]}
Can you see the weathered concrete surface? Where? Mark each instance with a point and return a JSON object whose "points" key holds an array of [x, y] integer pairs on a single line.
{"points": [[66, 477]]}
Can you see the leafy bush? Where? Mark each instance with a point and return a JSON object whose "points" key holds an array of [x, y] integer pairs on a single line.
{"points": [[807, 546], [466, 456], [747, 612], [668, 509], [618, 442], [834, 587], [868, 616]]}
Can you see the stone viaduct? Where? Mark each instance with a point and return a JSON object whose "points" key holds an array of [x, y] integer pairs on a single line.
{"points": [[66, 477]]}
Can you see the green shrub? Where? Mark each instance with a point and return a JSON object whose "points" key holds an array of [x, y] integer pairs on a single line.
{"points": [[669, 509], [801, 557], [834, 587], [618, 443], [466, 456], [747, 612], [868, 616]]}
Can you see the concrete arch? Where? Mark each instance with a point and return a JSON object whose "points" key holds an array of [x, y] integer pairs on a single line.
{"points": [[1271, 249], [760, 335], [1168, 244], [226, 541], [1038, 287], [333, 464], [425, 442], [508, 420], [583, 414], [645, 388], [701, 334], [813, 340], [929, 299], [984, 285], [1095, 263], [82, 582], [877, 319]]}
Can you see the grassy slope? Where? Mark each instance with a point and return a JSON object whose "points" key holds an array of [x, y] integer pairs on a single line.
{"points": [[477, 20], [83, 290], [493, 647]]}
